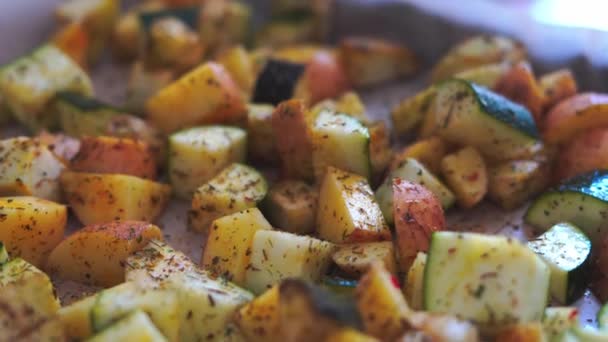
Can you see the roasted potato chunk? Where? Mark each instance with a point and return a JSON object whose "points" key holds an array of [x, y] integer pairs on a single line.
{"points": [[292, 206], [355, 259]]}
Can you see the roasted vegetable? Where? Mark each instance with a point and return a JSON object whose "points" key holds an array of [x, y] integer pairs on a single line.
{"points": [[418, 214], [97, 17], [411, 170], [74, 41], [355, 259], [229, 244], [198, 154], [371, 61], [63, 146], [557, 86], [412, 111], [559, 319], [413, 287], [31, 227], [294, 139], [115, 155], [348, 211], [383, 309], [519, 85], [96, 253], [279, 255], [429, 152], [238, 63], [566, 250], [171, 43], [261, 146], [205, 95], [582, 201], [287, 29], [324, 78], [237, 187], [586, 152], [487, 75], [574, 115], [292, 206], [29, 83], [512, 183], [259, 319], [29, 168], [493, 280], [380, 152], [277, 81], [143, 84], [206, 305], [478, 51], [466, 174], [308, 312], [224, 24], [468, 114], [521, 332], [599, 270], [99, 198], [137, 326], [27, 298]]}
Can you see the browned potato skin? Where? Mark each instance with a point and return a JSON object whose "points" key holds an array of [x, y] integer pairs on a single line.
{"points": [[519, 85], [524, 332], [557, 86], [106, 154], [293, 139], [418, 213], [259, 320], [96, 254]]}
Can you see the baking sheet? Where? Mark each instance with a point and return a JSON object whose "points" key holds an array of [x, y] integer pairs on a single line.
{"points": [[427, 34]]}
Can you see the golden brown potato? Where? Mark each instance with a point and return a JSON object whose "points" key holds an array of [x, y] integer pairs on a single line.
{"points": [[519, 85], [259, 320], [106, 154], [428, 152], [556, 86], [96, 254], [355, 259], [31, 227], [98, 198], [466, 174], [524, 332]]}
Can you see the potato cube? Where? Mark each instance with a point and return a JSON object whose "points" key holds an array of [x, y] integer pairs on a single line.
{"points": [[261, 145], [356, 258], [466, 174], [259, 319], [292, 206]]}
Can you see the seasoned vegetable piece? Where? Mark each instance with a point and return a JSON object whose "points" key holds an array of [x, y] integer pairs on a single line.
{"points": [[492, 280], [84, 116], [349, 335], [205, 95], [348, 212], [207, 305], [115, 155], [63, 146], [429, 152], [74, 41], [567, 252], [355, 259], [136, 326], [413, 288], [169, 42], [31, 227], [277, 81], [287, 30], [228, 249], [3, 254], [586, 152], [324, 78], [380, 152], [466, 174], [477, 51], [162, 305], [96, 253], [371, 61], [259, 319], [532, 331], [237, 187], [520, 86], [574, 115], [224, 24], [412, 111], [412, 171], [292, 206], [294, 139], [198, 154], [98, 18], [311, 313], [261, 146], [557, 86], [468, 114], [27, 299], [29, 83], [75, 318], [29, 168], [350, 103], [512, 183], [599, 274], [98, 198], [238, 63], [383, 309], [339, 285], [441, 327], [418, 214], [582, 201], [279, 255], [341, 141], [557, 320], [143, 84], [487, 75]]}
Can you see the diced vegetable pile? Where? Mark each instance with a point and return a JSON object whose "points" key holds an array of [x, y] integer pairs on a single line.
{"points": [[317, 227]]}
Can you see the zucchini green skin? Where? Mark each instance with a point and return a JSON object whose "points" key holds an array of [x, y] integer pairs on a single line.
{"points": [[339, 285], [82, 115], [567, 252], [490, 280], [277, 81], [470, 114], [413, 171], [189, 15], [582, 201], [340, 141]]}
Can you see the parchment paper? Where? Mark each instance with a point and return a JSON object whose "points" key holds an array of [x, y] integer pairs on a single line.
{"points": [[26, 23]]}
